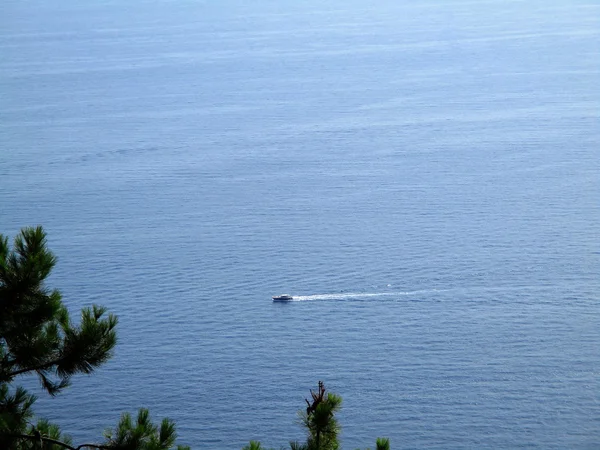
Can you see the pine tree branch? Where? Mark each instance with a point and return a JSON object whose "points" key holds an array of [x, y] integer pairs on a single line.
{"points": [[35, 368], [57, 442]]}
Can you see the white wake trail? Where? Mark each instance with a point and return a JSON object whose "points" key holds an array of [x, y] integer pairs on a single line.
{"points": [[360, 295]]}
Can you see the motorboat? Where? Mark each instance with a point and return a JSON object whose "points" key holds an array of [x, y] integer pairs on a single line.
{"points": [[282, 298]]}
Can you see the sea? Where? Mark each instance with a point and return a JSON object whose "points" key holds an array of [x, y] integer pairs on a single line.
{"points": [[423, 177]]}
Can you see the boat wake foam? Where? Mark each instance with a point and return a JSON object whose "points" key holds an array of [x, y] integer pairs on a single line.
{"points": [[360, 295]]}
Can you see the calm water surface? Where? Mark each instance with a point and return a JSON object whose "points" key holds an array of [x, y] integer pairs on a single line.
{"points": [[424, 176]]}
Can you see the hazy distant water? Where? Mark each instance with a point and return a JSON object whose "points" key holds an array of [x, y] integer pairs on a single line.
{"points": [[424, 175]]}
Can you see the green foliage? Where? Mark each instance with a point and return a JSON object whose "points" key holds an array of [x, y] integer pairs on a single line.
{"points": [[142, 434], [321, 424], [15, 413], [295, 445], [45, 429], [38, 337], [383, 444], [36, 334], [320, 421]]}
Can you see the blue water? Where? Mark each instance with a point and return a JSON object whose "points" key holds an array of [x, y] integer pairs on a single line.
{"points": [[423, 176]]}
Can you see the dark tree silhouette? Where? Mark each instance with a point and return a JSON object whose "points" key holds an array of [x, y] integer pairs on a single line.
{"points": [[38, 337]]}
